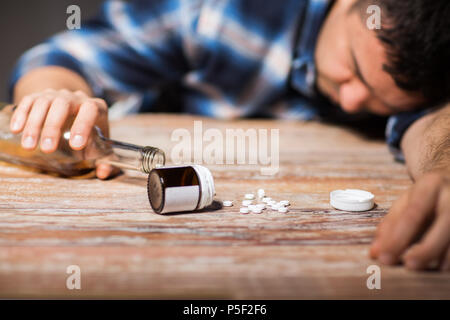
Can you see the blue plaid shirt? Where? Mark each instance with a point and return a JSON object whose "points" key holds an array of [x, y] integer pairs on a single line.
{"points": [[229, 58]]}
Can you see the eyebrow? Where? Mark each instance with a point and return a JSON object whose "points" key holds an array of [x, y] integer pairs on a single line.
{"points": [[359, 74], [371, 89]]}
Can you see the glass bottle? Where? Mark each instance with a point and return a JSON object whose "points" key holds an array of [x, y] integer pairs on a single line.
{"points": [[68, 162]]}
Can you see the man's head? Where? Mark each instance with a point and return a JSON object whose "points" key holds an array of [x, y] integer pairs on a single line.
{"points": [[400, 67]]}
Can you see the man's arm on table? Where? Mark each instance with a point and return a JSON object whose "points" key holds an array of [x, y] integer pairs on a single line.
{"points": [[417, 228], [54, 77]]}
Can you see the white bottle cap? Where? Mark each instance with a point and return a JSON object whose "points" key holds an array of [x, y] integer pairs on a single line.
{"points": [[206, 184], [352, 200]]}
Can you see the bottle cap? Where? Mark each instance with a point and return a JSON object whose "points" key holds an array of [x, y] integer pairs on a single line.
{"points": [[206, 184], [352, 200]]}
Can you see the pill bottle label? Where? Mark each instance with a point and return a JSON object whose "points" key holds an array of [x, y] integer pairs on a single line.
{"points": [[181, 199]]}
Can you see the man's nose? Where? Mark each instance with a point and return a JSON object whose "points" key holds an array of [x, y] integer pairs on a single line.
{"points": [[353, 96]]}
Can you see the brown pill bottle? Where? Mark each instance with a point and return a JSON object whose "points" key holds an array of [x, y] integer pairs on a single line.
{"points": [[180, 188]]}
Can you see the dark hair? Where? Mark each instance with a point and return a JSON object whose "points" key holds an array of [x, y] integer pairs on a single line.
{"points": [[416, 35]]}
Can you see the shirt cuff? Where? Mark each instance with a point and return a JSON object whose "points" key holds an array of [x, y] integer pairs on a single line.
{"points": [[396, 128]]}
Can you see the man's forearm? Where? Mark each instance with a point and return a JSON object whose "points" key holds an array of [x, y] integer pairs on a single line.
{"points": [[426, 144], [52, 77]]}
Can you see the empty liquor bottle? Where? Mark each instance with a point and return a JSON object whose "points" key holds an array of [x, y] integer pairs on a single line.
{"points": [[68, 162]]}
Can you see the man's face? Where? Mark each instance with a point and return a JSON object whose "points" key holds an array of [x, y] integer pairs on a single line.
{"points": [[349, 60]]}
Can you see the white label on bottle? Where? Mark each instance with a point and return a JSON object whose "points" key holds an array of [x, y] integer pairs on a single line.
{"points": [[178, 199]]}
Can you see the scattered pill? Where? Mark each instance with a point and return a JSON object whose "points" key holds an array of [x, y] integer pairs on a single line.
{"points": [[266, 199], [261, 206], [352, 200], [261, 193], [244, 210], [256, 210], [227, 203], [262, 203], [282, 209]]}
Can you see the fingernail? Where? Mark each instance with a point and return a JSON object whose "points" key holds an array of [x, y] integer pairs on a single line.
{"points": [[77, 141], [47, 143], [28, 142], [386, 258], [15, 126]]}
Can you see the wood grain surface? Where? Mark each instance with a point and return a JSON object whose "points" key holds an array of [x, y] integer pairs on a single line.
{"points": [[124, 250]]}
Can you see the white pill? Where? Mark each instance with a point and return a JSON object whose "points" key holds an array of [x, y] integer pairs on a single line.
{"points": [[266, 199], [283, 209], [261, 206], [246, 203], [244, 210], [249, 196], [352, 200], [261, 193], [252, 207], [256, 210], [275, 207], [284, 202], [227, 203], [272, 202]]}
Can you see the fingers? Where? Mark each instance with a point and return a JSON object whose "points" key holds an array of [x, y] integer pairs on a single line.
{"points": [[105, 171], [388, 222], [20, 114], [83, 124], [409, 220], [42, 116], [56, 117], [34, 123], [432, 249]]}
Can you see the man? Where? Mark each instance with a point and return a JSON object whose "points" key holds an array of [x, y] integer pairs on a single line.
{"points": [[230, 58]]}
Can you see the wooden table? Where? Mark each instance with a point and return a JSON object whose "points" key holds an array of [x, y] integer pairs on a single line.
{"points": [[124, 250]]}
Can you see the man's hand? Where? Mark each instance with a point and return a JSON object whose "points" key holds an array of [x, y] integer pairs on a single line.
{"points": [[42, 115], [42, 112], [417, 229]]}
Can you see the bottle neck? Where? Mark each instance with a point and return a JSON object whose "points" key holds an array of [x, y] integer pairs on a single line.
{"points": [[129, 156]]}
